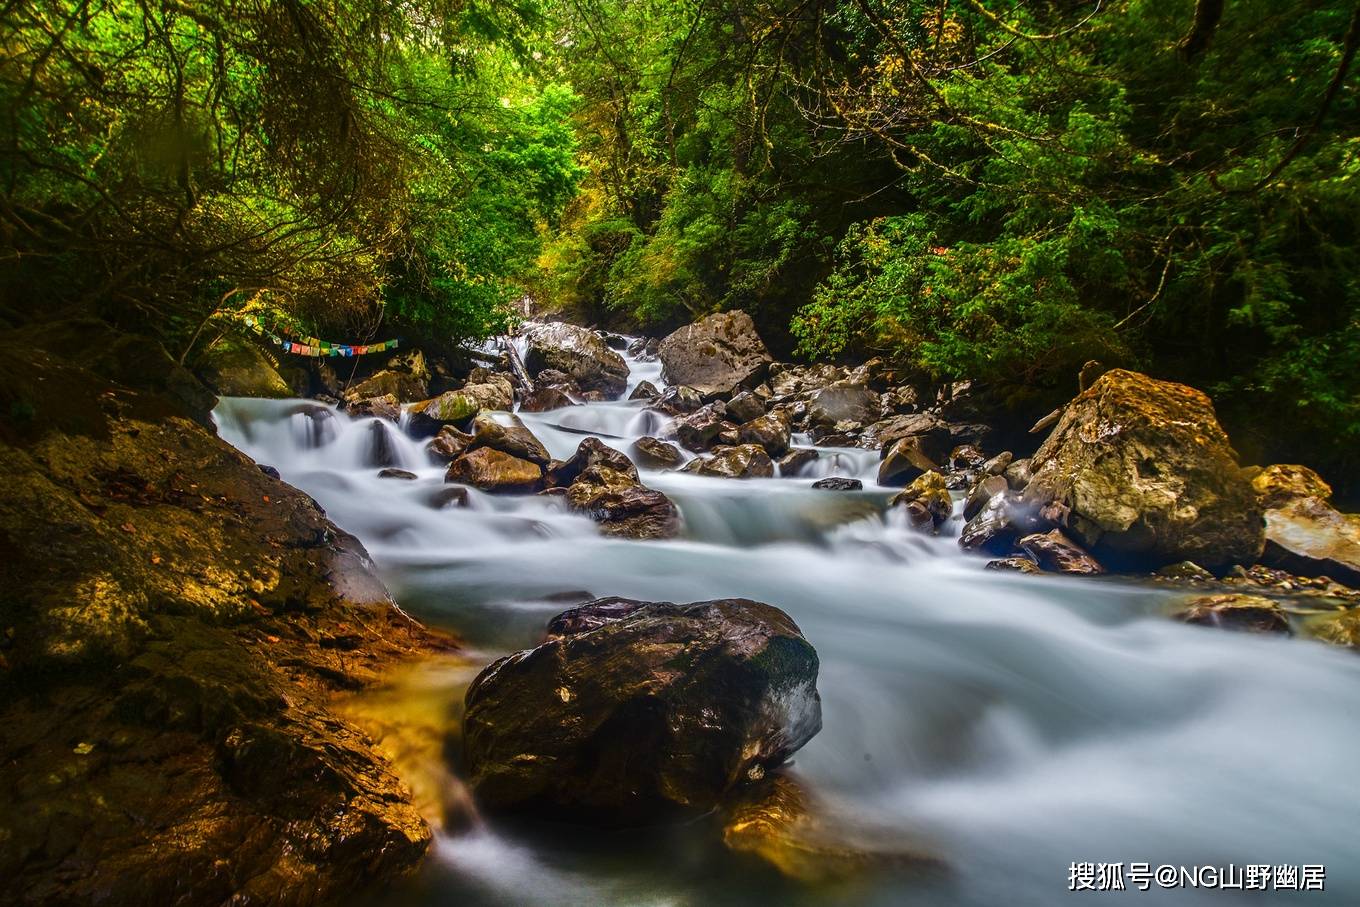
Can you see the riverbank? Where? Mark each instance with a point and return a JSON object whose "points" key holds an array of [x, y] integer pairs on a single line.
{"points": [[177, 625]]}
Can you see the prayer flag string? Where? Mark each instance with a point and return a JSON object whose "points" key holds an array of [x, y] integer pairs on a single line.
{"points": [[311, 346]]}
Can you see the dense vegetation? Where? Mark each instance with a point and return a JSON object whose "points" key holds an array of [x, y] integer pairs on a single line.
{"points": [[990, 189]]}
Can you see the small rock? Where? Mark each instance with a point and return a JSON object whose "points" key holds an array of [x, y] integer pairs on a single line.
{"points": [[836, 483], [1001, 521], [744, 461], [795, 461], [269, 471], [590, 452], [495, 471], [657, 454], [1014, 565], [449, 444], [511, 437], [904, 461], [679, 400], [983, 491], [745, 407], [1184, 570], [998, 464], [544, 399], [928, 495], [769, 431], [449, 496], [966, 456], [394, 473], [1018, 474], [645, 390]]}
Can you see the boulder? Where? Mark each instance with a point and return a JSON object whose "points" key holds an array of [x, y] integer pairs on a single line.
{"points": [[510, 437], [932, 434], [450, 408], [1308, 537], [544, 398], [622, 506], [495, 393], [795, 461], [448, 444], [590, 452], [236, 367], [675, 401], [966, 456], [842, 402], [1055, 552], [496, 472], [982, 491], [837, 483], [375, 408], [1279, 484], [743, 461], [1018, 474], [926, 496], [403, 385], [745, 407], [1234, 611], [717, 355], [998, 464], [635, 712], [645, 390], [1147, 477], [699, 430], [656, 453], [904, 461], [1002, 520], [578, 353], [769, 431]]}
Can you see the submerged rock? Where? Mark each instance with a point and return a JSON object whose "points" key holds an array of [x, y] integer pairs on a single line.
{"points": [[1246, 613], [634, 712], [1147, 477], [496, 472], [577, 352], [393, 473], [716, 356]]}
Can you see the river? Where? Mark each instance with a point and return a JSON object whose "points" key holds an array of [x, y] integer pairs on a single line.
{"points": [[1012, 724]]}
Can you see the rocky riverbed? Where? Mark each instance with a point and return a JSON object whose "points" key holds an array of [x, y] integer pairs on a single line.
{"points": [[678, 624]]}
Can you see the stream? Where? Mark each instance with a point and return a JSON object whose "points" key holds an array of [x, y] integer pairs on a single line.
{"points": [[1011, 724]]}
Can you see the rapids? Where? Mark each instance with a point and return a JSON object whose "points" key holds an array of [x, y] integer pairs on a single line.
{"points": [[1016, 724]]}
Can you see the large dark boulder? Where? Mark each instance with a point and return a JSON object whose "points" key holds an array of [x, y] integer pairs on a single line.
{"points": [[579, 353], [717, 356], [634, 712], [1145, 477]]}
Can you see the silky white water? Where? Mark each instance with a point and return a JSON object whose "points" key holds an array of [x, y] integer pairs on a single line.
{"points": [[1013, 724]]}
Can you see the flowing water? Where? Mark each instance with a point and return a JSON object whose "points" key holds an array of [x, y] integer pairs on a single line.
{"points": [[1013, 725]]}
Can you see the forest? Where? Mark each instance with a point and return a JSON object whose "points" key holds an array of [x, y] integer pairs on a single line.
{"points": [[989, 191]]}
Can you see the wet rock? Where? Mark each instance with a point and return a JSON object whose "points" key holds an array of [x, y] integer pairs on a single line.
{"points": [[699, 430], [778, 822], [449, 444], [545, 398], [932, 434], [496, 393], [983, 491], [966, 456], [837, 483], [1055, 552], [1148, 477], [1278, 485], [236, 367], [578, 353], [998, 464], [770, 432], [929, 495], [622, 506], [590, 452], [1018, 474], [645, 390], [451, 408], [676, 401], [904, 461], [717, 355], [375, 408], [496, 472], [795, 461], [614, 341], [1014, 565], [842, 402], [551, 377], [403, 385], [744, 461], [1309, 537], [382, 445], [635, 712], [657, 454], [393, 473], [1245, 613], [745, 407], [508, 435], [1002, 520]]}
